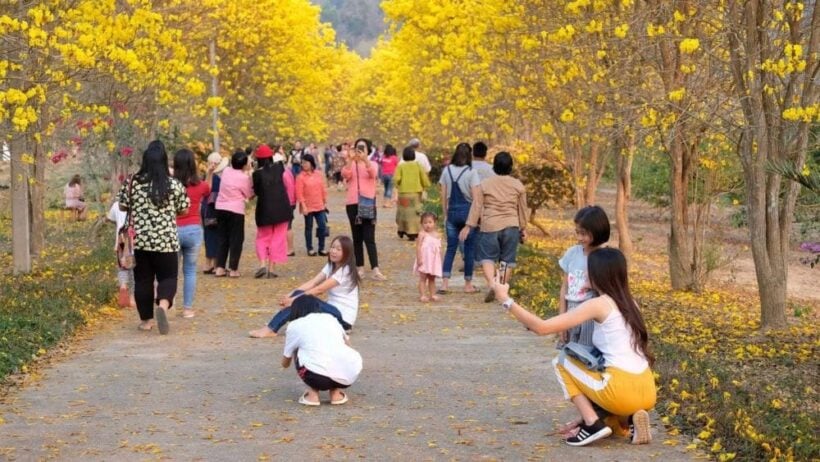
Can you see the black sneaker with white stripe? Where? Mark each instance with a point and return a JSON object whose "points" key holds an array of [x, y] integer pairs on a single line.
{"points": [[589, 433]]}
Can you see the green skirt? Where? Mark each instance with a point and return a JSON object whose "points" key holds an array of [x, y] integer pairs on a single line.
{"points": [[407, 213]]}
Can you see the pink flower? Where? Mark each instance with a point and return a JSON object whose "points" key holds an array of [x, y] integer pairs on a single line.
{"points": [[126, 151]]}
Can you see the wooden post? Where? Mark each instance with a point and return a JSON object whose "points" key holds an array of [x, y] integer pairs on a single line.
{"points": [[214, 84], [20, 205]]}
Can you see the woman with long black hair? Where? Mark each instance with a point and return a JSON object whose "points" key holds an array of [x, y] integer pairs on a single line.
{"points": [[154, 199], [625, 388]]}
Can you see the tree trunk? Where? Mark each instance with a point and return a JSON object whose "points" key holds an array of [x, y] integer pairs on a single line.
{"points": [[20, 235], [681, 268], [592, 173], [624, 192]]}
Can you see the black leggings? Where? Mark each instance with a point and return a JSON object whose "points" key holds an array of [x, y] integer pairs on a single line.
{"points": [[316, 381], [160, 266], [231, 230], [364, 232]]}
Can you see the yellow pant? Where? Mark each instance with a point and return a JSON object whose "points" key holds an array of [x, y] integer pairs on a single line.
{"points": [[619, 392]]}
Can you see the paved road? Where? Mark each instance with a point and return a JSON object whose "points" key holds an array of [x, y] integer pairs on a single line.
{"points": [[454, 380]]}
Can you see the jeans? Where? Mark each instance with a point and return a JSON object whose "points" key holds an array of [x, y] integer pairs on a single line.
{"points": [[190, 239], [387, 180], [296, 169], [452, 247], [280, 318], [321, 229]]}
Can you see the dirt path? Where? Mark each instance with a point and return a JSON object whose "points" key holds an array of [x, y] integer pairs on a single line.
{"points": [[455, 380]]}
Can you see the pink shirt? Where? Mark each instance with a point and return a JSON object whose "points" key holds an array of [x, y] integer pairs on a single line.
{"points": [[311, 191], [234, 188], [366, 187], [290, 187], [389, 164]]}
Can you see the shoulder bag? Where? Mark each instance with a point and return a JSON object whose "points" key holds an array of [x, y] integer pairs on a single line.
{"points": [[367, 205], [126, 234]]}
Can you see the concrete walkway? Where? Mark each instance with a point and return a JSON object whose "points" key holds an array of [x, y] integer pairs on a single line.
{"points": [[454, 380]]}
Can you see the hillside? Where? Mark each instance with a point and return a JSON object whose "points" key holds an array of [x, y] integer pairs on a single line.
{"points": [[358, 23]]}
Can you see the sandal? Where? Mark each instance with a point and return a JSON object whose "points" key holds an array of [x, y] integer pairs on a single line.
{"points": [[304, 401], [340, 401], [234, 274], [474, 291], [145, 327], [443, 291], [209, 270], [162, 320]]}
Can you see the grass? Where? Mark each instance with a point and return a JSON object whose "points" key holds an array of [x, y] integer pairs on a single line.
{"points": [[738, 393], [40, 309]]}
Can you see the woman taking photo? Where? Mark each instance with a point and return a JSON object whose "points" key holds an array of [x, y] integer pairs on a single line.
{"points": [[361, 175], [189, 226], [234, 189], [154, 199], [272, 187], [410, 182], [626, 387]]}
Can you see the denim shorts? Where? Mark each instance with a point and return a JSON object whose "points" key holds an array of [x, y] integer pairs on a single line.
{"points": [[498, 246]]}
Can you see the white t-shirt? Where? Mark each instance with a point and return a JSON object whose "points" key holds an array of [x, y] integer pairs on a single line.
{"points": [[320, 340], [481, 171], [574, 263], [422, 159], [344, 296], [117, 216]]}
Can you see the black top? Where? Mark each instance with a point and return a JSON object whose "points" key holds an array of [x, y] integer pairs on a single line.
{"points": [[272, 203]]}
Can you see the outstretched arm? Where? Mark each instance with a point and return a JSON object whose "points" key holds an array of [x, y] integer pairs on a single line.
{"points": [[595, 308]]}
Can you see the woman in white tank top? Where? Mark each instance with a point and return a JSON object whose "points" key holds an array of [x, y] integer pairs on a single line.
{"points": [[625, 390]]}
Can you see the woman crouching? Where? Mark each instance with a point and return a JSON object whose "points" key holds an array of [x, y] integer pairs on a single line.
{"points": [[625, 389], [323, 358]]}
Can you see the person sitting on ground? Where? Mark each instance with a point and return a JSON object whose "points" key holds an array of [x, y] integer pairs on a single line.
{"points": [[626, 387], [323, 358], [74, 196], [338, 278]]}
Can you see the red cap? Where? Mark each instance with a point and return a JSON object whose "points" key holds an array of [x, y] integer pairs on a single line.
{"points": [[263, 152]]}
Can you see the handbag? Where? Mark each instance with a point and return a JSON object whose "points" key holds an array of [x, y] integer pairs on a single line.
{"points": [[367, 205], [125, 236], [588, 355], [209, 217]]}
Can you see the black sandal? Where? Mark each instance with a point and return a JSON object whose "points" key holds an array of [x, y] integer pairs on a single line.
{"points": [[209, 270]]}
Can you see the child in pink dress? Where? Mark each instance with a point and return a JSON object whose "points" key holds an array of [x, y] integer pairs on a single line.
{"points": [[428, 257]]}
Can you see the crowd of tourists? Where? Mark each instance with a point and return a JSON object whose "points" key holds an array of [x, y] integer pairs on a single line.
{"points": [[170, 207]]}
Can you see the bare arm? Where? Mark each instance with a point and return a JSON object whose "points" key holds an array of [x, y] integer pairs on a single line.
{"points": [[443, 199], [595, 308]]}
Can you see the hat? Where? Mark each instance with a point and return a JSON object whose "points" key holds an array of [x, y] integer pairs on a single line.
{"points": [[217, 159], [263, 152]]}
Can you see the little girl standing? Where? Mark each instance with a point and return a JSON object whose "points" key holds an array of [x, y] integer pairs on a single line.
{"points": [[428, 257], [592, 231]]}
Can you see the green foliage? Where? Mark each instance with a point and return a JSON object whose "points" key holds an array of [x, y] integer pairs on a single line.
{"points": [[40, 309], [650, 178]]}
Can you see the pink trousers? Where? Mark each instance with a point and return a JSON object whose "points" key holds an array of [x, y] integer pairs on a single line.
{"points": [[272, 243]]}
